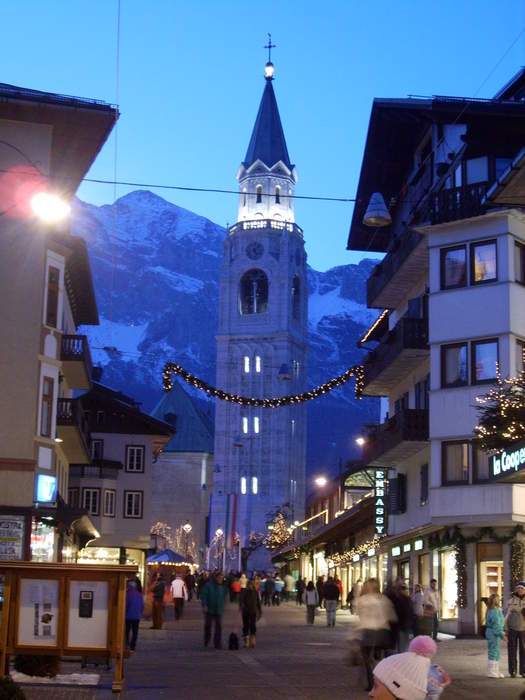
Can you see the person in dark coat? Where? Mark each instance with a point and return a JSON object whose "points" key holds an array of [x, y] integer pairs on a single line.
{"points": [[134, 608], [269, 590], [212, 596], [331, 597], [250, 607], [405, 616], [320, 589], [189, 580], [158, 602], [299, 587]]}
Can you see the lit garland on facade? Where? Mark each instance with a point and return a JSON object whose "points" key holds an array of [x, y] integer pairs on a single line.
{"points": [[172, 369], [339, 559], [279, 534], [502, 412], [374, 325]]}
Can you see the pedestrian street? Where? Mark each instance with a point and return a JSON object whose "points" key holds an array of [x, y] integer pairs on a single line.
{"points": [[291, 660]]}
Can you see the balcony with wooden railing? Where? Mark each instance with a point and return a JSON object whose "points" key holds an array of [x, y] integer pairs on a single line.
{"points": [[76, 361], [397, 439], [401, 350], [72, 430], [98, 469], [458, 203]]}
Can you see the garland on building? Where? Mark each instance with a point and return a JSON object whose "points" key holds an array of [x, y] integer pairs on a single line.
{"points": [[458, 541], [342, 558], [502, 413], [173, 369]]}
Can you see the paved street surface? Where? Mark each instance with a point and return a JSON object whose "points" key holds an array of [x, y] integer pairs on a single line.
{"points": [[292, 661]]}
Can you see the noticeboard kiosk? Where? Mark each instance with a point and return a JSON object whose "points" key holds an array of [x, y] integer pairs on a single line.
{"points": [[64, 609]]}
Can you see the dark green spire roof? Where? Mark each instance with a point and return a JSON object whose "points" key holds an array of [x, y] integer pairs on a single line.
{"points": [[267, 142], [193, 428]]}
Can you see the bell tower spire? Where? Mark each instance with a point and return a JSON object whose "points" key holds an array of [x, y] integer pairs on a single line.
{"points": [[267, 176]]}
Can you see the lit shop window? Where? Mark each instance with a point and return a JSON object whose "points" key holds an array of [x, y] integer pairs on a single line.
{"points": [[42, 541], [255, 484], [257, 363], [246, 364], [256, 424], [243, 485], [449, 592], [245, 425]]}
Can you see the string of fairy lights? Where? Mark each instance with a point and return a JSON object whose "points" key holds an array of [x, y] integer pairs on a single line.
{"points": [[171, 369], [502, 419]]}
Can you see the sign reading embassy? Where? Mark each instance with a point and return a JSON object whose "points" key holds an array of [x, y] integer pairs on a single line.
{"points": [[507, 461], [379, 502]]}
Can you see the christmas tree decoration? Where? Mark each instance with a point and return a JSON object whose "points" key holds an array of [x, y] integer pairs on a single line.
{"points": [[279, 534], [502, 413], [173, 369]]}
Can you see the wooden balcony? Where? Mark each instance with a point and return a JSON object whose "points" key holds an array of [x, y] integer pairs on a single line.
{"points": [[72, 429], [404, 264], [76, 361], [458, 203], [400, 352], [398, 439]]}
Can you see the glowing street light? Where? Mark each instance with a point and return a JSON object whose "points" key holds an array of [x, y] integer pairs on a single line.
{"points": [[321, 481], [187, 528], [360, 441], [49, 207], [219, 532]]}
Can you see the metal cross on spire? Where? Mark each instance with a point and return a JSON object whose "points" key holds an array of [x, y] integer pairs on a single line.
{"points": [[269, 46]]}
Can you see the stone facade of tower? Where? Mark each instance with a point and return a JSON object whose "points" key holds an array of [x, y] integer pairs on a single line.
{"points": [[260, 453]]}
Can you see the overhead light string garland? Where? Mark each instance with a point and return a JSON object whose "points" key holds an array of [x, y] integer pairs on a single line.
{"points": [[171, 369]]}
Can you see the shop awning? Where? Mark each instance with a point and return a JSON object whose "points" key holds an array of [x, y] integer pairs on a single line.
{"points": [[168, 556]]}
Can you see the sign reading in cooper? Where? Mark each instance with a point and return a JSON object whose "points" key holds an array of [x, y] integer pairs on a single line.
{"points": [[380, 501], [507, 462]]}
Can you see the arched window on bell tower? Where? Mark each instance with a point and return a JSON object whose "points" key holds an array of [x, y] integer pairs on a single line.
{"points": [[296, 297], [277, 194], [259, 194], [253, 293]]}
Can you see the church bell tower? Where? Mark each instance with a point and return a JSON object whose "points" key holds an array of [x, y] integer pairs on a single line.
{"points": [[260, 453]]}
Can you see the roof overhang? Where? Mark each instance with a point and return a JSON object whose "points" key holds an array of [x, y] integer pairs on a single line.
{"points": [[509, 190], [80, 128], [395, 130]]}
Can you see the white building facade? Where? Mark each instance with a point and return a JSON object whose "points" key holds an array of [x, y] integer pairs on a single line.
{"points": [[260, 453], [451, 287]]}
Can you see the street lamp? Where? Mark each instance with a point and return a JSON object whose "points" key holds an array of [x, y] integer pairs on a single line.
{"points": [[360, 441], [49, 207], [321, 481]]}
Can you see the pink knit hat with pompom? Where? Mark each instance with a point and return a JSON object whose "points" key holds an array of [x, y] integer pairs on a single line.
{"points": [[423, 645]]}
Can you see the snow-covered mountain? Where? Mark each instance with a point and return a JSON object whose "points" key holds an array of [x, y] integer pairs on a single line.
{"points": [[156, 271]]}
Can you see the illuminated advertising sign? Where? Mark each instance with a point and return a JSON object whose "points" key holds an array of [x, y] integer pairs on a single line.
{"points": [[508, 461], [46, 488], [380, 501]]}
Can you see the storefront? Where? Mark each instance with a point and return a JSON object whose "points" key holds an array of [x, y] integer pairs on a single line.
{"points": [[113, 556]]}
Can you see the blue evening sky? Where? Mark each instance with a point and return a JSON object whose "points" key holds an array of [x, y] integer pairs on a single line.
{"points": [[191, 77]]}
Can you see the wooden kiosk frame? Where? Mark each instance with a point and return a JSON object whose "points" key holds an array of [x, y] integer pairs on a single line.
{"points": [[40, 613]]}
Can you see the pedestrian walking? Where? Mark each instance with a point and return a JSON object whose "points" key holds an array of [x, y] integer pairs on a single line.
{"points": [[250, 607], [405, 616], [289, 586], [376, 614], [180, 594], [158, 591], [417, 609], [134, 609], [354, 595], [278, 589], [410, 675], [269, 590], [320, 589], [494, 632], [331, 597], [299, 587], [189, 580], [432, 606], [311, 600], [515, 626], [243, 580], [213, 595]]}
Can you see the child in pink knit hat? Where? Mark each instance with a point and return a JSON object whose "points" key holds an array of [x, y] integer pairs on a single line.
{"points": [[438, 678], [410, 676]]}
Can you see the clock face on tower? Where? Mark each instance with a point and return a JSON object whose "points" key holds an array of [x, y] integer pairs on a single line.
{"points": [[254, 250]]}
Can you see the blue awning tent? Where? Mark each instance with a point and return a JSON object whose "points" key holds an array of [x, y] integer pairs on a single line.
{"points": [[168, 556]]}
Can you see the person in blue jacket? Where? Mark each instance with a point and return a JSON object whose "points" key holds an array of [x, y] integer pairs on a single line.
{"points": [[134, 608], [495, 632]]}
